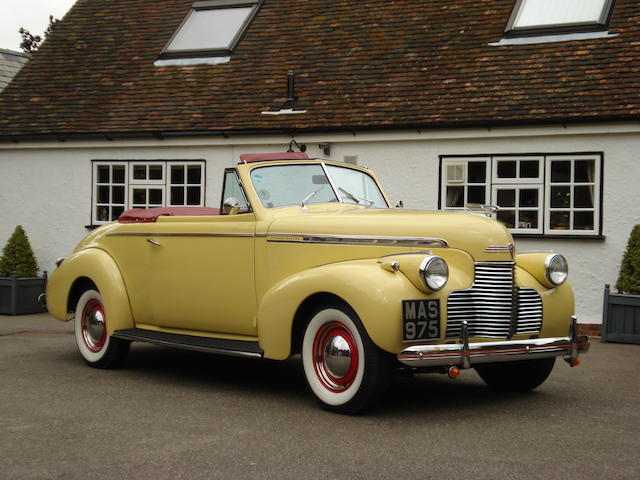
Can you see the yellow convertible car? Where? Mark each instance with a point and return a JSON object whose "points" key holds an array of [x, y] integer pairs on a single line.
{"points": [[307, 257]]}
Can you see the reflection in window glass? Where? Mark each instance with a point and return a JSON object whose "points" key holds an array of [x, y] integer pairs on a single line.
{"points": [[561, 171], [232, 189], [455, 196], [155, 172], [508, 217], [548, 13], [209, 29], [282, 185], [477, 172], [356, 187], [583, 221], [506, 169], [506, 198], [529, 169], [103, 174], [560, 220], [476, 195], [584, 171]]}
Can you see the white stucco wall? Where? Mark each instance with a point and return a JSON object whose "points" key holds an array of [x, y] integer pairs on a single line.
{"points": [[46, 187]]}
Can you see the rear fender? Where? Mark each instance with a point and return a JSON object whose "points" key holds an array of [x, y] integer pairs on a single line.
{"points": [[98, 267]]}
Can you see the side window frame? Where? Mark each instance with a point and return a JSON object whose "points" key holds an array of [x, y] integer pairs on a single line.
{"points": [[248, 208]]}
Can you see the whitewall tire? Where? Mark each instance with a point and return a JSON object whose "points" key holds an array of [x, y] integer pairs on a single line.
{"points": [[95, 344], [344, 369]]}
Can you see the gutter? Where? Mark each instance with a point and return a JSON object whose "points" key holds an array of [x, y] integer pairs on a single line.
{"points": [[160, 135]]}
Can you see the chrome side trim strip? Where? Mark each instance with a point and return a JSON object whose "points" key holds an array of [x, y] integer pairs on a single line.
{"points": [[177, 234], [329, 239], [468, 354]]}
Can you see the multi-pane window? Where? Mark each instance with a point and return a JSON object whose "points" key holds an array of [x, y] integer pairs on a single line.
{"points": [[535, 194], [552, 15], [120, 185]]}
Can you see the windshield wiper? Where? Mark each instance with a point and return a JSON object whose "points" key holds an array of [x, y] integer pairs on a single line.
{"points": [[308, 197], [356, 198]]}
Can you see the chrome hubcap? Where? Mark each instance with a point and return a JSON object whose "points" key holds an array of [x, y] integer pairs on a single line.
{"points": [[94, 327], [335, 357]]}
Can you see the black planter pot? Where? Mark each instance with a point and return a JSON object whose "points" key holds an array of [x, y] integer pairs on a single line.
{"points": [[19, 296], [620, 317]]}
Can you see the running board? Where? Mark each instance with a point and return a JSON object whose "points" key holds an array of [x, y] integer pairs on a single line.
{"points": [[235, 348]]}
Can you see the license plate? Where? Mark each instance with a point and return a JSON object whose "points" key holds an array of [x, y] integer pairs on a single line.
{"points": [[420, 320]]}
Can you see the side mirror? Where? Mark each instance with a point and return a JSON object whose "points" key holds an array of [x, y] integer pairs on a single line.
{"points": [[399, 204], [231, 206]]}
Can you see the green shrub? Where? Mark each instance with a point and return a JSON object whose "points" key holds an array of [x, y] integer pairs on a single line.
{"points": [[17, 256], [629, 279]]}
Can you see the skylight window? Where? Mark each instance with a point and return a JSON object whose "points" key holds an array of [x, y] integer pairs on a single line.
{"points": [[539, 16], [211, 28]]}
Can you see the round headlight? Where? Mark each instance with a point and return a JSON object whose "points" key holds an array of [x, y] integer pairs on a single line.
{"points": [[557, 269], [434, 272]]}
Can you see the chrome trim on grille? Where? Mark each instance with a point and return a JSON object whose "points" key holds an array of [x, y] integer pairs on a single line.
{"points": [[329, 239], [493, 307]]}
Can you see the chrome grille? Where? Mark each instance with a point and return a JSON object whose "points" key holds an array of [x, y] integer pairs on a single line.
{"points": [[488, 305]]}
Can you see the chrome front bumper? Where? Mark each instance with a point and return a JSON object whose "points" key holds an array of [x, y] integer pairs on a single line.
{"points": [[466, 355]]}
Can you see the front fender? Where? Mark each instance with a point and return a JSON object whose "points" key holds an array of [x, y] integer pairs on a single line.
{"points": [[97, 266], [374, 293]]}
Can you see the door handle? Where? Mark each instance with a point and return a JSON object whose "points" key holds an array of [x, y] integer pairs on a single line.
{"points": [[153, 242]]}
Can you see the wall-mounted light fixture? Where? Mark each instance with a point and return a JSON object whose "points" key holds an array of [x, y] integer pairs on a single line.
{"points": [[326, 148], [293, 143]]}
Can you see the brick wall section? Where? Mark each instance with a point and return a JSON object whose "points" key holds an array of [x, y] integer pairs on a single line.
{"points": [[361, 64], [590, 329]]}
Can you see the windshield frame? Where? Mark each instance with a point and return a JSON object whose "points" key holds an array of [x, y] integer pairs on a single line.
{"points": [[336, 191]]}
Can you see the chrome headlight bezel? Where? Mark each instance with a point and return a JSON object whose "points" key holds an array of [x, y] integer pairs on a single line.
{"points": [[434, 273], [556, 269]]}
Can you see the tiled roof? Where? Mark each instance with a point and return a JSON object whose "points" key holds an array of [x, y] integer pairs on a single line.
{"points": [[359, 65], [10, 63]]}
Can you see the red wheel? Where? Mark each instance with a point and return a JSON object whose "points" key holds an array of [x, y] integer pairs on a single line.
{"points": [[92, 337], [344, 369]]}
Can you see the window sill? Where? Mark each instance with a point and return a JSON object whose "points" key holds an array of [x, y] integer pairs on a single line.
{"points": [[559, 237]]}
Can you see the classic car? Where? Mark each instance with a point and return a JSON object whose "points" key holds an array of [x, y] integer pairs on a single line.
{"points": [[308, 257]]}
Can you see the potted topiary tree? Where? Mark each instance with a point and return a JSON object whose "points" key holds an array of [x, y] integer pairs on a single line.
{"points": [[621, 313], [20, 285]]}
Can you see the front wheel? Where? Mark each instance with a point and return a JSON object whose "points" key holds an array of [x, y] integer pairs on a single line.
{"points": [[344, 369], [96, 346], [521, 376]]}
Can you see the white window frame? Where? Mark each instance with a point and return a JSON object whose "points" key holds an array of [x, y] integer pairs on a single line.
{"points": [[147, 180], [542, 184], [130, 184], [517, 208], [596, 183], [465, 183], [96, 185], [185, 185]]}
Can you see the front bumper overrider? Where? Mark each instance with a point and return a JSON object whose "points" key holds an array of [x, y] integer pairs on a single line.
{"points": [[466, 355]]}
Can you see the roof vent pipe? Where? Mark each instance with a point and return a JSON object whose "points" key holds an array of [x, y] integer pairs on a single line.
{"points": [[288, 107]]}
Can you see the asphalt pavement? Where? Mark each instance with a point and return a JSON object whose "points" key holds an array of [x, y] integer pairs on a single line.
{"points": [[176, 414]]}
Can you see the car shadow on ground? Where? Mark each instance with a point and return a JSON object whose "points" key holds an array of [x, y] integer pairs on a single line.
{"points": [[427, 393]]}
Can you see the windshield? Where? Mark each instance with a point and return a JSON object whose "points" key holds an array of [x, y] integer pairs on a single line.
{"points": [[284, 185]]}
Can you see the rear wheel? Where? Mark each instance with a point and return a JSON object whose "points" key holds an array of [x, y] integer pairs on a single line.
{"points": [[96, 346], [344, 369], [521, 376]]}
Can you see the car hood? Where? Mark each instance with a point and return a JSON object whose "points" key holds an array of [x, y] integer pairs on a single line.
{"points": [[464, 231]]}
